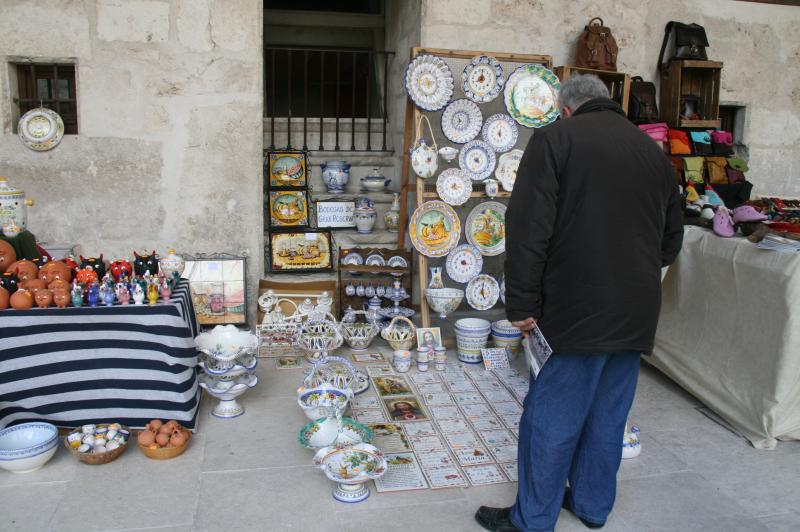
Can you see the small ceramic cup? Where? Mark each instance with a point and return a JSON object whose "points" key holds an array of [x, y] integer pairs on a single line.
{"points": [[423, 355], [422, 366], [402, 360]]}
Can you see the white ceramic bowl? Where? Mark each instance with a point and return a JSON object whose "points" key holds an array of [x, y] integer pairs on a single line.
{"points": [[28, 446], [226, 342], [443, 300], [473, 326], [505, 328]]}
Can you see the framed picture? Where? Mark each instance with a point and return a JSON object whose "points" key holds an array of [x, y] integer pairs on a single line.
{"points": [[287, 169], [404, 408], [335, 214], [300, 251], [288, 208], [430, 337], [219, 288]]}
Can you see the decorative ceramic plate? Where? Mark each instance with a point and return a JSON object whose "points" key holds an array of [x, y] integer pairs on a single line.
{"points": [[375, 260], [429, 82], [353, 259], [464, 263], [397, 262], [531, 95], [482, 79], [486, 228], [41, 129], [482, 292], [454, 186], [477, 159], [507, 169], [500, 132], [434, 228], [461, 121], [361, 382]]}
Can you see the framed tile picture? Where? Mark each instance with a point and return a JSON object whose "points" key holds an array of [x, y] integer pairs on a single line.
{"points": [[219, 288], [288, 208], [301, 251], [287, 169]]}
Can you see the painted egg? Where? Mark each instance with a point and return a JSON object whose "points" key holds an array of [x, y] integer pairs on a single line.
{"points": [[88, 439], [84, 448], [110, 446], [110, 434], [114, 426], [100, 449], [100, 441], [88, 429]]}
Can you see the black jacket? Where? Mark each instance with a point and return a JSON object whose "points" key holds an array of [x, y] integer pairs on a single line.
{"points": [[594, 215]]}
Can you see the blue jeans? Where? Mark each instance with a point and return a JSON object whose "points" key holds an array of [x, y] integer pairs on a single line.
{"points": [[572, 426]]}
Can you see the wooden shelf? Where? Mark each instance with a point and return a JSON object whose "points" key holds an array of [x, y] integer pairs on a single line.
{"points": [[707, 124], [700, 79], [618, 83], [500, 194], [372, 269], [691, 63]]}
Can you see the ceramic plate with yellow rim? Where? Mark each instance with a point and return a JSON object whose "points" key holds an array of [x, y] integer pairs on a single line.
{"points": [[41, 129], [434, 228], [486, 228], [288, 208]]}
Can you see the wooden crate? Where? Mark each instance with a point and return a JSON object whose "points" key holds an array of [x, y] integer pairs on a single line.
{"points": [[618, 83], [696, 78]]}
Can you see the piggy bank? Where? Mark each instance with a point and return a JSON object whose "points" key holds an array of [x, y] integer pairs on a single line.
{"points": [[118, 268], [95, 263], [145, 263], [86, 276]]}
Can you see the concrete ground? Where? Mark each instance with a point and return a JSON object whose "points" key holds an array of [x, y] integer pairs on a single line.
{"points": [[249, 473]]}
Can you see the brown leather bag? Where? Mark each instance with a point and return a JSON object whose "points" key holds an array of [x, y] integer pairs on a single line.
{"points": [[597, 48]]}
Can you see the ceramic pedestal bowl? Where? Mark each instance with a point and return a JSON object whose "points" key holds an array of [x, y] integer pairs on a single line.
{"points": [[318, 337], [223, 345], [27, 447], [323, 401], [359, 335], [227, 391], [327, 431], [443, 300], [351, 467]]}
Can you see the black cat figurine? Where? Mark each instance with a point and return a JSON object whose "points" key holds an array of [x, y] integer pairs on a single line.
{"points": [[95, 263], [9, 281], [145, 263]]}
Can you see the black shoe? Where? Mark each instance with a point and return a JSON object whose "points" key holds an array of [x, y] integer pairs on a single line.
{"points": [[495, 519], [566, 505]]}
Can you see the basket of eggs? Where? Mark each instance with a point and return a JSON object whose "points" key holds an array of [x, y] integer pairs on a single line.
{"points": [[97, 444], [162, 441]]}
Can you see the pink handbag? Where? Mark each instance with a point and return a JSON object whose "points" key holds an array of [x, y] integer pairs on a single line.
{"points": [[657, 132]]}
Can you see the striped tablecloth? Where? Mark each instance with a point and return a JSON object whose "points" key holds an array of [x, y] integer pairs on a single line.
{"points": [[128, 364]]}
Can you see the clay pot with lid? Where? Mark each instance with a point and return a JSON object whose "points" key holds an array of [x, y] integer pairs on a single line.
{"points": [[21, 299], [7, 255], [24, 269], [43, 298]]}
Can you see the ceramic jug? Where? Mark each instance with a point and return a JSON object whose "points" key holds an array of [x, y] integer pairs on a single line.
{"points": [[13, 207], [335, 175], [436, 277], [490, 185], [424, 157], [392, 216]]}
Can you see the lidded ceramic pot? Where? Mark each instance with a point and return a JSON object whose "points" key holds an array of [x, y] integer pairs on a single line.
{"points": [[13, 206]]}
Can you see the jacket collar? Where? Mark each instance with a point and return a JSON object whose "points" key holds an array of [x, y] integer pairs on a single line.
{"points": [[599, 104]]}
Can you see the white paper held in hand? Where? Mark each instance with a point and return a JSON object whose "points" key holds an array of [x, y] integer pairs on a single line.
{"points": [[537, 350]]}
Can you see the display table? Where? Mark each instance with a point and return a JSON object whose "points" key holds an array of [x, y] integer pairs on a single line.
{"points": [[128, 364], [730, 333]]}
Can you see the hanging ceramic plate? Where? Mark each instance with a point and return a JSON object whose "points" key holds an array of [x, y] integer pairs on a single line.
{"points": [[500, 132], [482, 79], [434, 228], [429, 82], [482, 292], [353, 259], [486, 228], [397, 261], [461, 121], [41, 129], [454, 186], [531, 95], [507, 169], [464, 263], [375, 260], [477, 160]]}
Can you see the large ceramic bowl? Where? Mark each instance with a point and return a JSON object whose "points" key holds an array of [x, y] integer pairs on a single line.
{"points": [[28, 446], [351, 467], [325, 431], [318, 402], [443, 300], [473, 327], [359, 335], [226, 342]]}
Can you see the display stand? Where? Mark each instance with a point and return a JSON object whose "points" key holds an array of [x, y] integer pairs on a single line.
{"points": [[691, 78], [618, 83], [366, 274], [427, 191]]}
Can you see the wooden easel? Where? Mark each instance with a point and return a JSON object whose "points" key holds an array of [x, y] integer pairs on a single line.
{"points": [[428, 192]]}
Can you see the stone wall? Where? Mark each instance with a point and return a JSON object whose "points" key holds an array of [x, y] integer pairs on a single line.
{"points": [[759, 44], [170, 107]]}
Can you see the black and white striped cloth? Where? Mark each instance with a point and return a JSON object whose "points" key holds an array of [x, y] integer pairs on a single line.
{"points": [[127, 364]]}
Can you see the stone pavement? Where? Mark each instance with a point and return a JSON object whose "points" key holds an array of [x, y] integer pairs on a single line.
{"points": [[249, 473]]}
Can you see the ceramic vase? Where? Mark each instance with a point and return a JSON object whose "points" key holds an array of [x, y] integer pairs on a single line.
{"points": [[392, 216], [491, 187], [365, 220], [436, 277], [335, 175]]}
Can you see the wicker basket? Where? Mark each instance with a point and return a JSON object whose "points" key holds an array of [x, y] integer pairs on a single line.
{"points": [[165, 453], [101, 458], [400, 339]]}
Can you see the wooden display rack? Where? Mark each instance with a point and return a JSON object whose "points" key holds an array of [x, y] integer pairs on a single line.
{"points": [[373, 273], [618, 83], [428, 192], [696, 78]]}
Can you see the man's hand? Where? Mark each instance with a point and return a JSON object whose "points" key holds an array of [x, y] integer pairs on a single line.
{"points": [[526, 326]]}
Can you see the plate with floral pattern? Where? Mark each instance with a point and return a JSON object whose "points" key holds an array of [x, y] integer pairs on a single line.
{"points": [[429, 82], [434, 228], [41, 129], [454, 186], [531, 95], [482, 79], [500, 132], [507, 169], [464, 263], [461, 120], [477, 159], [486, 227], [482, 292]]}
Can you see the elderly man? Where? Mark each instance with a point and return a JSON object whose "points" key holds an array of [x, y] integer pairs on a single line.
{"points": [[594, 216]]}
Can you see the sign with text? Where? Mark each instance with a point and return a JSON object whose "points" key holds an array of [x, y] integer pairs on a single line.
{"points": [[333, 214]]}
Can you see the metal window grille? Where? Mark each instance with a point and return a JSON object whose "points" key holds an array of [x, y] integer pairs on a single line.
{"points": [[52, 86]]}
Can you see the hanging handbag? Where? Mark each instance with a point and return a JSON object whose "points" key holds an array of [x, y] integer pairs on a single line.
{"points": [[678, 142], [693, 170], [682, 41], [642, 108], [597, 48], [423, 155], [722, 142], [701, 142], [715, 168], [657, 132]]}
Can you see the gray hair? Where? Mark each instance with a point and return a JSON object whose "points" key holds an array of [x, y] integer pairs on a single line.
{"points": [[578, 89]]}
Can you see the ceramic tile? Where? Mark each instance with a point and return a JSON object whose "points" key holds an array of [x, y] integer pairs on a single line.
{"points": [[29, 507], [788, 522], [294, 498]]}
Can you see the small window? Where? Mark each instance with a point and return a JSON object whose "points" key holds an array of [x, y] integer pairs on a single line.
{"points": [[51, 86]]}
